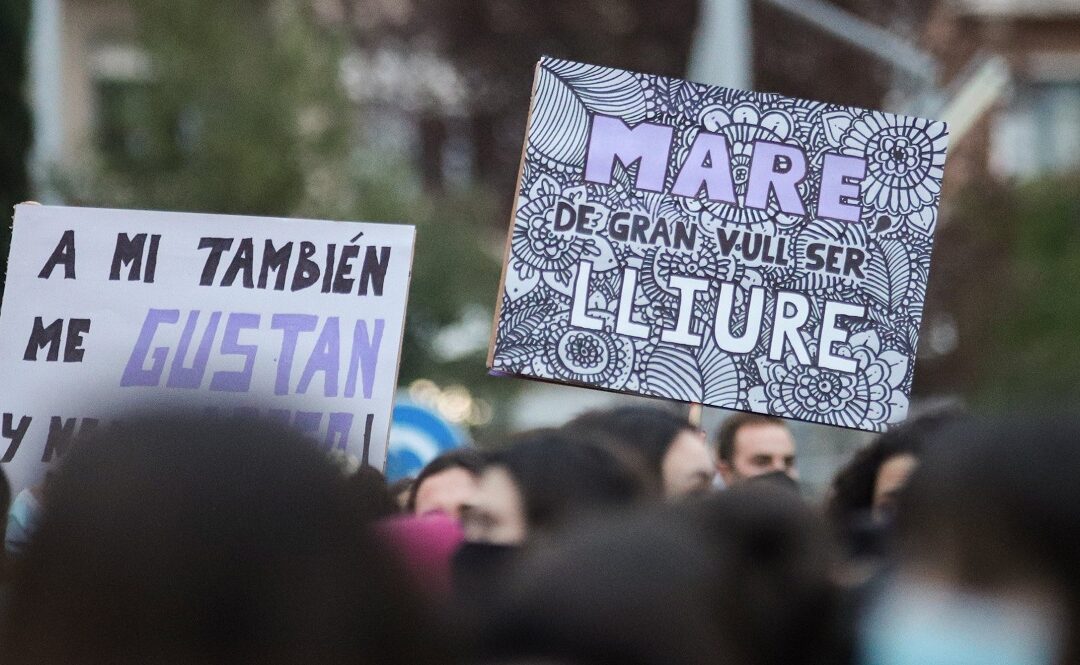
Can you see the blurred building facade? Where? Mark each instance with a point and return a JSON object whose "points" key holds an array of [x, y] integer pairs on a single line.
{"points": [[1035, 129]]}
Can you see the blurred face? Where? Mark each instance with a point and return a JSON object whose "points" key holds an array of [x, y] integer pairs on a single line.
{"points": [[495, 513], [445, 492], [891, 478], [931, 620], [688, 467], [760, 449]]}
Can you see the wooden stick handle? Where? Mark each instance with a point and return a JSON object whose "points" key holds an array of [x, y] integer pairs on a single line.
{"points": [[694, 416]]}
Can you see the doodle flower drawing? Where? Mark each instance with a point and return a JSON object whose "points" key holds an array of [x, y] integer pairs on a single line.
{"points": [[595, 357], [742, 125], [541, 253], [868, 399], [905, 159]]}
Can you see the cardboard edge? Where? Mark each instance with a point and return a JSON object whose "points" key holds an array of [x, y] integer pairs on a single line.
{"points": [[401, 348], [513, 217]]}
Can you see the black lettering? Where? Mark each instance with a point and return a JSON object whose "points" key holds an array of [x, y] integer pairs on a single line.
{"points": [[660, 231], [683, 239], [342, 282], [63, 254], [14, 434], [216, 247], [750, 252], [374, 270], [43, 336], [307, 271], [583, 219], [61, 432], [151, 259], [564, 208], [726, 240], [128, 252], [328, 273], [616, 230], [813, 252], [832, 261], [276, 260], [243, 260], [637, 232], [853, 262], [73, 351]]}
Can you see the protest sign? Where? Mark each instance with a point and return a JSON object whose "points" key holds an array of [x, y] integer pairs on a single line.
{"points": [[742, 250], [106, 311]]}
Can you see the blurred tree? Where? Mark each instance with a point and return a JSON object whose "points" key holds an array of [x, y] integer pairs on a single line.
{"points": [[239, 113], [964, 301], [1003, 307], [15, 131], [243, 112], [1035, 358]]}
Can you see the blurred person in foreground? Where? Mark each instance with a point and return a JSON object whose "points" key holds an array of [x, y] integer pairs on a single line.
{"points": [[542, 483], [751, 445], [862, 499], [445, 484], [671, 449], [741, 577], [989, 543], [544, 480], [206, 540]]}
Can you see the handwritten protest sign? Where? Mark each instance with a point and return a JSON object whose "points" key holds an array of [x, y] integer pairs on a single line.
{"points": [[109, 310], [743, 250]]}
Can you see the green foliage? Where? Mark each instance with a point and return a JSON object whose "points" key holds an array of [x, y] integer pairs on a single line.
{"points": [[241, 98], [1036, 356], [243, 113]]}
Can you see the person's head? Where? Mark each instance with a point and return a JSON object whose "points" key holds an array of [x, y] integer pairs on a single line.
{"points": [[752, 444], [868, 486], [202, 539], [446, 483], [672, 449], [543, 480], [369, 484], [988, 544], [741, 577]]}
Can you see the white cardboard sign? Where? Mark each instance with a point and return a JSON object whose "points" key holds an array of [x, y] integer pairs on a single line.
{"points": [[108, 311]]}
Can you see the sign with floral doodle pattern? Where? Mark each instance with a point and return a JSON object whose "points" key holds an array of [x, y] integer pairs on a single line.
{"points": [[742, 250]]}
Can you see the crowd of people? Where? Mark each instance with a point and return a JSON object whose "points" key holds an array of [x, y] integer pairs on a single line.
{"points": [[625, 536]]}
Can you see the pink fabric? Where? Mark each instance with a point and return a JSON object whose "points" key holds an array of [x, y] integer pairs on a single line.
{"points": [[425, 545]]}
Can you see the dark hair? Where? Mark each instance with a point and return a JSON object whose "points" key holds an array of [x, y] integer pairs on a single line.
{"points": [[725, 438], [1000, 500], [561, 476], [459, 458], [645, 431], [400, 485], [741, 577], [202, 539], [852, 493], [376, 502]]}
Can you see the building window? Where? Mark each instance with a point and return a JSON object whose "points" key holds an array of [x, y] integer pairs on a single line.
{"points": [[1040, 132], [131, 130]]}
